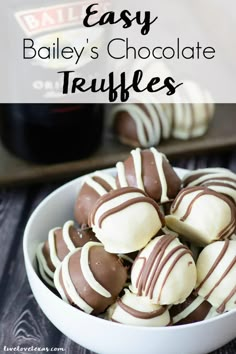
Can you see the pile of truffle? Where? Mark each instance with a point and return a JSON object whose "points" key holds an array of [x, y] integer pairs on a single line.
{"points": [[146, 125], [152, 250]]}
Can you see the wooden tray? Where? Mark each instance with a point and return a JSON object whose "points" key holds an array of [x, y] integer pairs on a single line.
{"points": [[221, 136]]}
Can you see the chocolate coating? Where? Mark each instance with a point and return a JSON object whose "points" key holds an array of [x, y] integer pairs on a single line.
{"points": [[60, 246], [202, 215], [220, 180], [125, 129], [107, 270], [156, 179], [89, 193], [195, 314], [141, 125]]}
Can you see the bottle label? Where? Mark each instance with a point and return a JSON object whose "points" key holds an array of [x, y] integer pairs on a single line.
{"points": [[59, 25], [45, 19]]}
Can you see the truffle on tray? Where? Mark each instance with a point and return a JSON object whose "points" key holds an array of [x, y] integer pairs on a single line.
{"points": [[141, 125]]}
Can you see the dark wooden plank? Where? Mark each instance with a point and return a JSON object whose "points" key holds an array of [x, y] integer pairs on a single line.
{"points": [[71, 347], [21, 320], [12, 204], [221, 136], [230, 348]]}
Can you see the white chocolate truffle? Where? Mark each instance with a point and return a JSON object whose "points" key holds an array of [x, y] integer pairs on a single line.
{"points": [[135, 310], [164, 271], [141, 125], [191, 120], [125, 220], [202, 215], [220, 180], [216, 275]]}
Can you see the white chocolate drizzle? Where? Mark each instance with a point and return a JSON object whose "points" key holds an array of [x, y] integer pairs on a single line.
{"points": [[44, 270], [138, 167], [188, 310], [137, 160], [151, 126], [52, 247], [66, 235], [97, 186], [69, 286], [159, 165], [121, 174], [181, 120], [88, 275], [58, 284]]}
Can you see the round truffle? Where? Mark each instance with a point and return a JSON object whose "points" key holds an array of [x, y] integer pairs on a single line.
{"points": [[60, 242], [191, 120], [216, 275], [90, 278], [150, 171], [94, 186], [135, 310], [193, 309], [164, 271], [124, 220], [141, 125], [220, 180], [202, 215]]}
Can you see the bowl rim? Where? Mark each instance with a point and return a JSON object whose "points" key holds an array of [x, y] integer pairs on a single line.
{"points": [[31, 268]]}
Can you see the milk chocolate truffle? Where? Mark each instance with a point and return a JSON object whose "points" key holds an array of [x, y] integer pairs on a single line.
{"points": [[202, 215], [95, 185], [90, 278], [141, 125], [60, 242], [191, 120], [164, 271], [220, 180], [150, 171], [124, 220], [193, 309], [135, 310], [216, 275]]}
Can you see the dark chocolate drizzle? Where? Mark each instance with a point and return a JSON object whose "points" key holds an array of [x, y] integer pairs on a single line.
{"points": [[217, 261], [126, 205], [113, 194], [140, 314], [205, 191], [117, 193], [221, 308], [154, 265]]}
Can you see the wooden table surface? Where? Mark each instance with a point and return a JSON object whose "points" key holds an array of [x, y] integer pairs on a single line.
{"points": [[22, 323]]}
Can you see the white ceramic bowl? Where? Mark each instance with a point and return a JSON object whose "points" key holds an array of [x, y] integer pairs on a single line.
{"points": [[97, 334]]}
